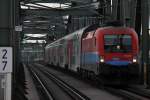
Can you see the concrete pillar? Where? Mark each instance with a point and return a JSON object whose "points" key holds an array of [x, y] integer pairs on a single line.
{"points": [[138, 18], [7, 23], [6, 19], [15, 42], [145, 41]]}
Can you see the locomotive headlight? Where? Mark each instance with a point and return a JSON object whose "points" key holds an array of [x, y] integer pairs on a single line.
{"points": [[134, 60], [102, 59]]}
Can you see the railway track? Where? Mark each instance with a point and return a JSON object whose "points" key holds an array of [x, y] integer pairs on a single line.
{"points": [[138, 92], [72, 94], [40, 86], [129, 93], [125, 93]]}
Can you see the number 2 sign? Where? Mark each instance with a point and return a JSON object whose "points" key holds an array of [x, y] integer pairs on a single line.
{"points": [[5, 59]]}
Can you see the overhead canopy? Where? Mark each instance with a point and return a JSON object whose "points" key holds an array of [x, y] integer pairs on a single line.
{"points": [[56, 18]]}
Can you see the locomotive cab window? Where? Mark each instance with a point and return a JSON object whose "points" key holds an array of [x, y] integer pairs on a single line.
{"points": [[117, 43]]}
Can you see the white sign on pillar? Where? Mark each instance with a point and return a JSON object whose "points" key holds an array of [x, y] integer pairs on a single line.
{"points": [[6, 63], [6, 59]]}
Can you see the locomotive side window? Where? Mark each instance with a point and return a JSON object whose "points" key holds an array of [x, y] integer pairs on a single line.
{"points": [[117, 43]]}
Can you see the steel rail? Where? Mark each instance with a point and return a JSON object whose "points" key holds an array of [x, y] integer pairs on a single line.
{"points": [[138, 92], [50, 97], [126, 94], [76, 94]]}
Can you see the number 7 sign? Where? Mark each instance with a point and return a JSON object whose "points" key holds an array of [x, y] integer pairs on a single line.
{"points": [[6, 59]]}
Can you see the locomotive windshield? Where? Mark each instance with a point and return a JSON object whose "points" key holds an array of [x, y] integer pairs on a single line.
{"points": [[117, 43]]}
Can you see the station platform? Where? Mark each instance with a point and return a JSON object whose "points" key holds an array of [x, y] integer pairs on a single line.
{"points": [[31, 89]]}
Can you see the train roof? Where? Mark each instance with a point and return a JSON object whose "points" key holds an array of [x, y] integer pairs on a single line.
{"points": [[79, 33]]}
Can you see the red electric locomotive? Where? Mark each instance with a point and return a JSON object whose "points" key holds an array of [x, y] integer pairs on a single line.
{"points": [[108, 52]]}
